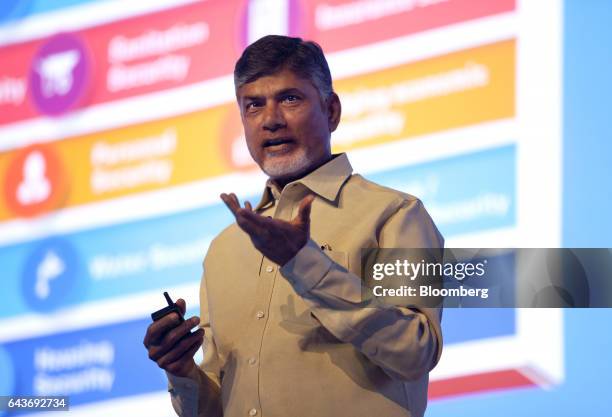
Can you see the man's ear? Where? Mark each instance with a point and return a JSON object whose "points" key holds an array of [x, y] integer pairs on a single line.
{"points": [[334, 111]]}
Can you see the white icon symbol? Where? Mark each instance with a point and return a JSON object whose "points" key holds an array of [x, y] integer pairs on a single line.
{"points": [[35, 186], [56, 72], [49, 269]]}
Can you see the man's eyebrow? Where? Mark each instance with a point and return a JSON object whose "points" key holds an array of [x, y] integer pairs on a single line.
{"points": [[253, 98], [287, 91], [280, 93]]}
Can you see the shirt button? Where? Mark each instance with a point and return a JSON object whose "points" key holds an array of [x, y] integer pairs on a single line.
{"points": [[252, 361], [260, 314], [252, 412], [269, 268]]}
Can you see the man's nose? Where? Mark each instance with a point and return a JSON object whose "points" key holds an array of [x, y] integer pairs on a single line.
{"points": [[273, 118]]}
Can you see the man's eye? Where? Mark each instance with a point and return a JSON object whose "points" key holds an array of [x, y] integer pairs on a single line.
{"points": [[291, 98], [252, 105]]}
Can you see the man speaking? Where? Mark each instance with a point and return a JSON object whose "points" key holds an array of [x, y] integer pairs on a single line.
{"points": [[284, 329]]}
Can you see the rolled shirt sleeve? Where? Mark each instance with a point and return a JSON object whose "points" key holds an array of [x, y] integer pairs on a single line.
{"points": [[195, 395], [183, 394]]}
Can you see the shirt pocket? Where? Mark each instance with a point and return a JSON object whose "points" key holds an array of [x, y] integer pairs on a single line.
{"points": [[338, 257]]}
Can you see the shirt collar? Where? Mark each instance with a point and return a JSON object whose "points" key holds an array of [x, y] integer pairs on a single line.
{"points": [[325, 181]]}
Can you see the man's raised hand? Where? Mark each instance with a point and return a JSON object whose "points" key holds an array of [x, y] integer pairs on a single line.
{"points": [[278, 240]]}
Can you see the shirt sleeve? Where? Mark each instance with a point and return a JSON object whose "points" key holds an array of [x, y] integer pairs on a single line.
{"points": [[198, 394], [183, 395], [405, 341]]}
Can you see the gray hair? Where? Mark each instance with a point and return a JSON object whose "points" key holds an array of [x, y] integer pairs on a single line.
{"points": [[274, 53]]}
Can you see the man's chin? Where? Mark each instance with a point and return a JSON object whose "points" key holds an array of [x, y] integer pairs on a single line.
{"points": [[286, 168]]}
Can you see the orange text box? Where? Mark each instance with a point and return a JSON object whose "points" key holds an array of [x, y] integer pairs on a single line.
{"points": [[121, 162], [459, 89]]}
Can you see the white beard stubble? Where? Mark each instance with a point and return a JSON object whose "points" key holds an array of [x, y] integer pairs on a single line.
{"points": [[289, 166]]}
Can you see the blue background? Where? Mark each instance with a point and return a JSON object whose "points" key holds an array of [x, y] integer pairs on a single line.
{"points": [[19, 9], [587, 222]]}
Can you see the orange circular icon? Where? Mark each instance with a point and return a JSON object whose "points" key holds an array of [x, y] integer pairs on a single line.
{"points": [[35, 182]]}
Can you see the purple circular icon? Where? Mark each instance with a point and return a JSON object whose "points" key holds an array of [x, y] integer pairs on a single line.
{"points": [[59, 74]]}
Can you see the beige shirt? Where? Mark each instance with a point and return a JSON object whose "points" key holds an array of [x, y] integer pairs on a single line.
{"points": [[296, 341]]}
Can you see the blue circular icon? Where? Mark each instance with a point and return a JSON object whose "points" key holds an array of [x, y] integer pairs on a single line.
{"points": [[7, 375], [13, 9], [50, 275]]}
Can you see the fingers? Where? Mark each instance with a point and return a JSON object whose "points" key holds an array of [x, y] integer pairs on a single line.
{"points": [[182, 366], [181, 349], [159, 348], [231, 201], [159, 328], [171, 344], [247, 219]]}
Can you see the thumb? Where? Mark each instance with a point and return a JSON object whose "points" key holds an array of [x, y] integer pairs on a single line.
{"points": [[303, 216]]}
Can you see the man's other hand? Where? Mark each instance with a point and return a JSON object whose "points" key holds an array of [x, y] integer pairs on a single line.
{"points": [[170, 343], [277, 240]]}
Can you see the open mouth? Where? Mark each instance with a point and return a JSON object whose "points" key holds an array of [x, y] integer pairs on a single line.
{"points": [[274, 143]]}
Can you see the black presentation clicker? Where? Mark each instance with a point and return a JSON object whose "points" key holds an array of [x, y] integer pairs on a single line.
{"points": [[171, 307]]}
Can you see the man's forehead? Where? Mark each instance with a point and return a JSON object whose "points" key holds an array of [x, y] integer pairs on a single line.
{"points": [[270, 84]]}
